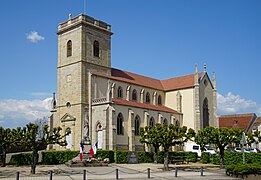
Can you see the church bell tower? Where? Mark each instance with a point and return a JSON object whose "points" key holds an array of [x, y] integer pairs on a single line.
{"points": [[84, 46]]}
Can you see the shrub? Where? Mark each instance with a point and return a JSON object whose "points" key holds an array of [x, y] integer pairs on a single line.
{"points": [[121, 157], [215, 159], [178, 155], [145, 157], [105, 154], [192, 156], [205, 157], [21, 159], [243, 169], [58, 157]]}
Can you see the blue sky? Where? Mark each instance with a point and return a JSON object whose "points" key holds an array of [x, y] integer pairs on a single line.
{"points": [[156, 38]]}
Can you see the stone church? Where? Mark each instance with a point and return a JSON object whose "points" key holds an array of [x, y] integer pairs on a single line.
{"points": [[107, 105]]}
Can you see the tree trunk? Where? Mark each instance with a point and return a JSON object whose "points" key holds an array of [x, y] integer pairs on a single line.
{"points": [[34, 161], [3, 158], [222, 150], [166, 161], [155, 155]]}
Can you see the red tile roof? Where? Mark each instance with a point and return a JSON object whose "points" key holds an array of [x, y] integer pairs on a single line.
{"points": [[240, 121], [143, 105], [181, 82]]}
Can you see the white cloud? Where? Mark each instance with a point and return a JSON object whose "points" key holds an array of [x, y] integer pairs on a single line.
{"points": [[34, 37], [233, 104], [14, 111]]}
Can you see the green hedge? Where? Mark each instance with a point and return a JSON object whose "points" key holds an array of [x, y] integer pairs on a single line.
{"points": [[58, 157], [121, 157], [178, 155], [205, 157], [21, 159], [236, 158], [243, 169], [145, 157], [105, 154]]}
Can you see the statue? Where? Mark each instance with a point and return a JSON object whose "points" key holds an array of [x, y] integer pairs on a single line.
{"points": [[86, 138]]}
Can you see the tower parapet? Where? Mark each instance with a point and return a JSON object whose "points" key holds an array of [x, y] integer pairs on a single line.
{"points": [[83, 20]]}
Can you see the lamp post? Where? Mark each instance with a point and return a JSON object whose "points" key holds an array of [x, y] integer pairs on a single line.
{"points": [[243, 142]]}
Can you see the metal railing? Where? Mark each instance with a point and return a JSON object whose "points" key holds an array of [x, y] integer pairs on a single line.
{"points": [[117, 173]]}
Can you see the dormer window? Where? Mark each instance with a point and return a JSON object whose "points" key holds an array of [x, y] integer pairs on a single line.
{"points": [[147, 98], [119, 92], [96, 49], [69, 48]]}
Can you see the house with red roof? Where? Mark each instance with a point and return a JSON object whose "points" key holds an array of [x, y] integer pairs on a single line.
{"points": [[244, 122], [99, 103]]}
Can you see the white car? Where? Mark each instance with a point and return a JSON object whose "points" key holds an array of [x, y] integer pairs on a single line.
{"points": [[255, 150], [193, 147], [238, 149]]}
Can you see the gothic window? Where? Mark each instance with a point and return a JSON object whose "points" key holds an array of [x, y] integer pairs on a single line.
{"points": [[119, 92], [120, 129], [159, 100], [137, 126], [165, 121], [96, 49], [147, 97], [69, 48], [177, 123], [205, 113], [134, 95], [152, 122]]}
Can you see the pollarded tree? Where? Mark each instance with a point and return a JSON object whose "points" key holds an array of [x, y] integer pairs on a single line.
{"points": [[29, 139], [220, 137], [150, 135], [6, 140], [165, 136], [203, 138], [172, 135]]}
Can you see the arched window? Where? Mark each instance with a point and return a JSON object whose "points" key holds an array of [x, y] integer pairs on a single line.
{"points": [[120, 129], [134, 95], [96, 49], [147, 97], [137, 126], [159, 100], [177, 123], [165, 121], [152, 122], [119, 92], [69, 48], [205, 113]]}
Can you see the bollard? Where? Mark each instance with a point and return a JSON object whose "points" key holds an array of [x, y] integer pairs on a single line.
{"points": [[201, 171], [17, 175], [117, 174], [176, 171], [84, 174], [148, 172], [51, 175]]}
